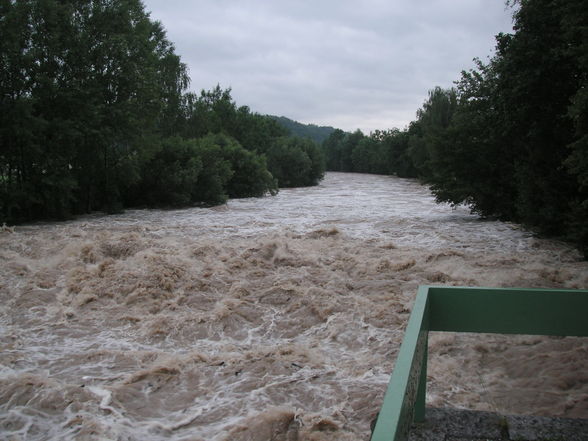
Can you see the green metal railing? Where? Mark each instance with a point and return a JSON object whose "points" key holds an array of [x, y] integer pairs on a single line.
{"points": [[488, 310]]}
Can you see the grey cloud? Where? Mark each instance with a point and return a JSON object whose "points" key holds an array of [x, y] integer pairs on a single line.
{"points": [[348, 64]]}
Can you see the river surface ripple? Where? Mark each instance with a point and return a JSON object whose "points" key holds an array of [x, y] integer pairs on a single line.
{"points": [[272, 318]]}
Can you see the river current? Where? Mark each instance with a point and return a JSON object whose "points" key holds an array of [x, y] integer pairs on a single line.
{"points": [[274, 318]]}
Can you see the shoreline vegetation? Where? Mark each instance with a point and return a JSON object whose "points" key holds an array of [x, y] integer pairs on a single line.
{"points": [[510, 140], [96, 115]]}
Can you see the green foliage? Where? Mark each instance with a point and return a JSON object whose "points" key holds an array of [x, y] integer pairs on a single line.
{"points": [[311, 131], [339, 147], [94, 116], [454, 149], [81, 82], [366, 156], [296, 162], [432, 121], [383, 152], [212, 112], [332, 149], [511, 140], [256, 132], [215, 175], [291, 162], [395, 151], [171, 175], [215, 112], [250, 176], [205, 171]]}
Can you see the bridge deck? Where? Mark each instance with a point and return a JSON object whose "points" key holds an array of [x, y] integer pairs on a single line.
{"points": [[468, 425]]}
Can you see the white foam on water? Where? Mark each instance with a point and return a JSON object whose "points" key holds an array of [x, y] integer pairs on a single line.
{"points": [[274, 318]]}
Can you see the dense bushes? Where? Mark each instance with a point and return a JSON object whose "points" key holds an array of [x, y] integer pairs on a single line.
{"points": [[382, 152], [170, 176], [291, 161], [250, 176], [515, 145], [511, 139], [94, 115], [296, 162]]}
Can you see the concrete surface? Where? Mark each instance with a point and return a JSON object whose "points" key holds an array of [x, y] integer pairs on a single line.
{"points": [[468, 425]]}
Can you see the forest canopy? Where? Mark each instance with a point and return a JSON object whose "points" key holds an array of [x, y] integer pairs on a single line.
{"points": [[95, 115], [311, 131], [510, 140]]}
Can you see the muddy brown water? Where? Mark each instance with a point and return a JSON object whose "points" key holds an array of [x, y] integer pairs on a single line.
{"points": [[265, 319]]}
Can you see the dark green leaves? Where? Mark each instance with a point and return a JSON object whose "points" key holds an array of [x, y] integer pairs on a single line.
{"points": [[94, 116], [515, 144]]}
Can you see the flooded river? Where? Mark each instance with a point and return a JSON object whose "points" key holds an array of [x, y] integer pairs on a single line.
{"points": [[265, 319]]}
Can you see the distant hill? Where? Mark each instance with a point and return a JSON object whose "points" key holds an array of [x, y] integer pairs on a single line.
{"points": [[312, 131]]}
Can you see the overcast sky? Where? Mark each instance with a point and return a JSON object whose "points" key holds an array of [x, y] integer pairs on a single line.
{"points": [[364, 64]]}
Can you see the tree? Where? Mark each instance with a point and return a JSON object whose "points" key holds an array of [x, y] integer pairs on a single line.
{"points": [[250, 176], [433, 119], [515, 146], [311, 131], [82, 83], [296, 162], [395, 153], [170, 177], [332, 147]]}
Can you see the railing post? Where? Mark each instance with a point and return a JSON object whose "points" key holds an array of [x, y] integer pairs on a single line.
{"points": [[419, 405], [405, 396], [468, 309]]}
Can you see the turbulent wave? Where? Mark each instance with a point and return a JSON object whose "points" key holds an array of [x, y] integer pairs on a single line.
{"points": [[275, 318]]}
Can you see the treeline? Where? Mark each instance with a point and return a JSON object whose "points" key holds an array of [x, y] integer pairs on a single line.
{"points": [[311, 131], [95, 115], [382, 152], [511, 139]]}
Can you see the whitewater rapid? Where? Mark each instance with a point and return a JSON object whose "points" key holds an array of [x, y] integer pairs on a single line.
{"points": [[272, 318]]}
